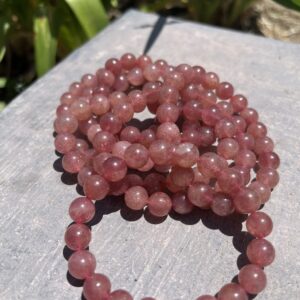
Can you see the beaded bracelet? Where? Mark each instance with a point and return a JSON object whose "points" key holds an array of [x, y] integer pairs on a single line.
{"points": [[198, 152]]}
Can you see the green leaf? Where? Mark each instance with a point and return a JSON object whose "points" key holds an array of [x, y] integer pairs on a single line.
{"points": [[4, 26], [2, 105], [45, 43], [90, 14], [293, 4], [3, 81]]}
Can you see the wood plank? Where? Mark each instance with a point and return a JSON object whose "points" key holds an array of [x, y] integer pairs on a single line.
{"points": [[176, 259]]}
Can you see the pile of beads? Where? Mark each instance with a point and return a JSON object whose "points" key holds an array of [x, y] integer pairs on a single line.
{"points": [[199, 151]]}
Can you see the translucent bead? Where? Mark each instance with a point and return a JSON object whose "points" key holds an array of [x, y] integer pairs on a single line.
{"points": [[96, 287], [257, 129], [81, 109], [92, 131], [154, 182], [159, 204], [245, 159], [78, 236], [137, 100], [81, 145], [239, 123], [113, 65], [173, 187], [102, 89], [222, 205], [187, 71], [143, 61], [224, 90], [168, 94], [206, 297], [182, 177], [121, 83], [259, 224], [147, 137], [269, 160], [211, 115], [167, 112], [134, 180], [136, 197], [96, 187], [82, 264], [65, 124], [250, 115], [232, 291], [244, 172], [190, 92], [151, 72], [98, 161], [119, 148], [105, 77], [120, 295], [210, 80], [124, 111], [168, 131], [162, 65], [75, 89], [161, 152], [253, 279], [82, 210], [199, 74], [200, 194], [136, 156], [207, 136], [263, 191], [260, 252], [227, 148], [174, 79], [135, 77], [246, 201], [208, 98], [224, 129], [117, 97], [185, 155], [199, 177], [89, 80], [268, 177], [245, 140], [84, 173], [64, 142], [239, 103], [230, 181], [99, 104], [73, 161], [63, 109], [151, 92], [189, 125], [111, 123], [86, 124], [128, 61], [181, 203], [192, 110], [263, 144], [67, 99], [114, 169], [191, 136], [226, 109], [210, 164], [103, 141], [148, 166]]}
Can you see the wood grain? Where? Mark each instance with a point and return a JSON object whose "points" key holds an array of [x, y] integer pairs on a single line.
{"points": [[179, 258]]}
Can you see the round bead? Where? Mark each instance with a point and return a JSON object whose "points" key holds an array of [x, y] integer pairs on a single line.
{"points": [[259, 224], [200, 194], [65, 123], [105, 77], [136, 156], [257, 130], [99, 104], [260, 252], [224, 90], [96, 287], [136, 197], [262, 190], [159, 204], [181, 203], [120, 295], [96, 187], [232, 291], [263, 144], [268, 177], [239, 103], [222, 205], [130, 134], [245, 158], [185, 155], [230, 180], [182, 177], [73, 161], [114, 168], [78, 236], [228, 148], [161, 152], [168, 131], [269, 160], [167, 112], [211, 164], [103, 141], [82, 210], [154, 182], [64, 142], [111, 123], [246, 201]]}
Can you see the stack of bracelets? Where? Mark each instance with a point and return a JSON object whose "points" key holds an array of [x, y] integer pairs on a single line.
{"points": [[199, 152]]}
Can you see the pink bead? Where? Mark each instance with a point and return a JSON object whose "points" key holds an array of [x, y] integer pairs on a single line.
{"points": [[190, 92], [119, 148], [210, 80], [92, 131], [246, 201], [244, 172], [151, 72], [230, 181], [99, 104], [154, 182], [207, 136], [82, 210], [245, 140], [191, 136], [268, 177], [113, 65], [143, 61], [136, 77], [173, 187], [263, 144], [211, 115], [227, 148], [117, 97], [89, 80], [111, 123], [239, 123], [82, 264], [96, 287], [199, 177], [206, 297], [159, 204], [102, 89], [81, 145], [162, 65], [210, 164], [167, 112], [73, 161], [224, 129], [250, 115], [85, 125], [199, 74], [136, 156], [137, 100], [130, 134], [121, 83], [181, 203], [260, 252], [124, 111], [187, 71], [185, 155], [84, 173], [168, 131], [200, 194], [192, 110], [174, 79], [147, 137], [151, 92], [128, 61], [269, 160], [182, 177], [259, 224], [96, 187], [103, 141], [161, 152], [226, 109], [75, 88], [114, 169], [78, 236], [118, 188], [67, 99], [253, 279], [65, 124], [81, 109], [222, 205], [136, 197], [245, 159], [98, 161], [120, 295], [64, 142], [257, 129], [232, 291], [263, 191], [224, 90], [63, 109], [208, 98], [134, 180], [168, 94], [239, 103], [105, 77]]}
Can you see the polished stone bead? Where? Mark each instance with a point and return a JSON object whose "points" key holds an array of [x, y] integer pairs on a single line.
{"points": [[96, 287], [232, 291], [77, 236], [260, 252], [259, 224]]}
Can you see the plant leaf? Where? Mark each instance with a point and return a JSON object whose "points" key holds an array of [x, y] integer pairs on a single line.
{"points": [[4, 26], [293, 4], [90, 14], [45, 43]]}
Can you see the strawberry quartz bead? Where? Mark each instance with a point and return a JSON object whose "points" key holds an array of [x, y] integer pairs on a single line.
{"points": [[246, 201], [99, 104], [81, 145], [120, 295], [232, 291], [253, 279], [208, 98], [191, 136], [168, 94], [73, 161], [66, 123], [200, 194], [224, 129], [269, 160], [210, 164], [260, 252], [89, 81], [224, 90], [136, 156], [262, 190], [187, 71], [263, 144], [228, 148], [98, 161], [151, 72], [137, 100], [167, 112], [103, 141], [121, 83], [225, 108], [130, 134], [92, 131], [192, 110], [113, 65], [64, 142], [111, 123], [245, 140], [67, 99], [210, 80], [76, 88], [82, 264], [128, 61], [206, 297], [259, 224], [96, 287], [136, 197], [185, 155], [147, 137], [96, 187], [222, 205], [105, 77], [135, 77], [82, 210], [161, 152], [182, 177], [117, 97], [143, 61], [119, 148], [124, 111], [181, 203], [211, 116], [257, 129], [230, 181], [245, 159], [207, 136], [250, 115], [81, 109], [174, 79], [239, 123], [159, 204], [162, 65], [169, 131], [151, 92], [78, 236], [84, 173], [114, 169], [244, 172], [268, 177], [239, 103]]}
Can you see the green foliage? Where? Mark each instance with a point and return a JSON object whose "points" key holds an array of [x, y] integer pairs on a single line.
{"points": [[293, 4]]}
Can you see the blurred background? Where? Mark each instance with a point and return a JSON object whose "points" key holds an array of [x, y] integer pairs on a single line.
{"points": [[37, 34]]}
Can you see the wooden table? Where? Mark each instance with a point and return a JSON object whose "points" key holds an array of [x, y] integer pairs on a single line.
{"points": [[180, 258]]}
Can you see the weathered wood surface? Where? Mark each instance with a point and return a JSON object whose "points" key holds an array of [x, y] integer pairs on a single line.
{"points": [[176, 259]]}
